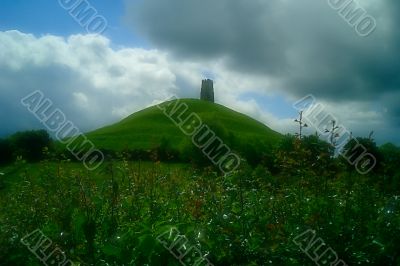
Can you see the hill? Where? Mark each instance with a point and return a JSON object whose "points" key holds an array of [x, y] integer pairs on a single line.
{"points": [[147, 128]]}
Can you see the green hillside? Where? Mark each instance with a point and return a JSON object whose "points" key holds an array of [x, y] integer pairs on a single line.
{"points": [[145, 129]]}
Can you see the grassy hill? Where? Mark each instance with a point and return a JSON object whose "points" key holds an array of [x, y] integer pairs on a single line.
{"points": [[145, 129]]}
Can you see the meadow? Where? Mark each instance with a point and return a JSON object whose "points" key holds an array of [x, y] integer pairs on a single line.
{"points": [[114, 215], [158, 200]]}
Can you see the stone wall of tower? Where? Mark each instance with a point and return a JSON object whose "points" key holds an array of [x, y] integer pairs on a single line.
{"points": [[207, 90]]}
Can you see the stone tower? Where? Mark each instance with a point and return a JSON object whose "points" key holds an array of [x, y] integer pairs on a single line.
{"points": [[207, 90]]}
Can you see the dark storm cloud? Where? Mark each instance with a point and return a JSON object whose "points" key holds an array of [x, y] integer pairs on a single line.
{"points": [[305, 45], [209, 29]]}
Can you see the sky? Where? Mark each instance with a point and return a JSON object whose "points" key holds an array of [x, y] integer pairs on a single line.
{"points": [[263, 55]]}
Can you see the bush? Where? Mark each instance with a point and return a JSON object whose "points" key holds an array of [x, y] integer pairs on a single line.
{"points": [[6, 152], [30, 144]]}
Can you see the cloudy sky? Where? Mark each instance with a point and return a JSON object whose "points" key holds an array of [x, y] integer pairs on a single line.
{"points": [[263, 55]]}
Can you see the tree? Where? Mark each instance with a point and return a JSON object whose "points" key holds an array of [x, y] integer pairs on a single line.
{"points": [[390, 161], [6, 152], [356, 150], [310, 154], [30, 144], [165, 151]]}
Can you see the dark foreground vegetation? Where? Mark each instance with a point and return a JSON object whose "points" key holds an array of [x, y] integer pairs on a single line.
{"points": [[113, 215]]}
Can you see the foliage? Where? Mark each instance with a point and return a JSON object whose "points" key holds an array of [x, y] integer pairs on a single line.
{"points": [[305, 158], [390, 155], [6, 152], [357, 146], [113, 216], [26, 144]]}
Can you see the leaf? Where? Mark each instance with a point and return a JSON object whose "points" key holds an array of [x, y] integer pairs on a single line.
{"points": [[111, 250], [146, 245]]}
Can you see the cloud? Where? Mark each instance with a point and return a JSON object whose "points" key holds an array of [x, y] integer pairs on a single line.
{"points": [[306, 45], [92, 83], [297, 47], [95, 84]]}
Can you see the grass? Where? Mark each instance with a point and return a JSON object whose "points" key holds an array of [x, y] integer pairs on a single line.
{"points": [[249, 218], [16, 173], [115, 214], [145, 129]]}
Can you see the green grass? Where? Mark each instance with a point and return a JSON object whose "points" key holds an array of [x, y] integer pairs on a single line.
{"points": [[115, 215], [16, 173], [145, 129]]}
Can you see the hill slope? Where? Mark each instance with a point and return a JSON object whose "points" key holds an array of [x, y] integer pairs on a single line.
{"points": [[145, 129]]}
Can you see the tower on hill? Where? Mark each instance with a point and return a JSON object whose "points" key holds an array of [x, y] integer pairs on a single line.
{"points": [[207, 90]]}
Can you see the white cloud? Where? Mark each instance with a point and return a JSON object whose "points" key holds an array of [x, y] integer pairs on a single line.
{"points": [[92, 83], [96, 85]]}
